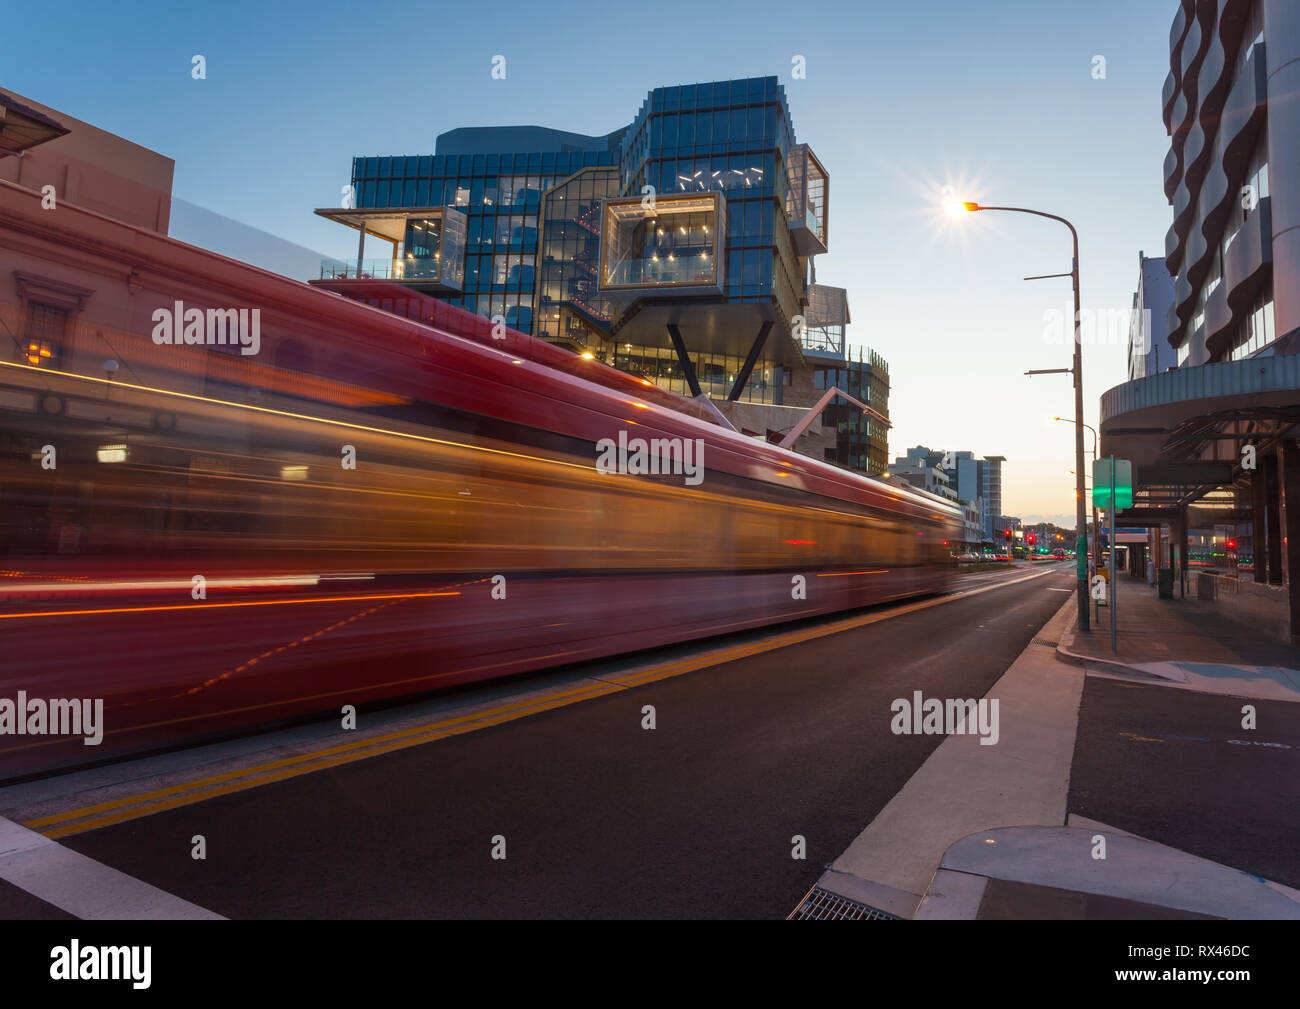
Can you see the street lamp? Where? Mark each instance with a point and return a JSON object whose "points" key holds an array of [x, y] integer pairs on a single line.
{"points": [[1081, 513], [1071, 420]]}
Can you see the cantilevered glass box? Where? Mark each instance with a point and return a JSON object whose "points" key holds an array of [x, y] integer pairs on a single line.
{"points": [[671, 247], [428, 247], [434, 249], [827, 315], [806, 198]]}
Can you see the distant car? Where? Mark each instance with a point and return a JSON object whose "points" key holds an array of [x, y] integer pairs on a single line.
{"points": [[968, 557]]}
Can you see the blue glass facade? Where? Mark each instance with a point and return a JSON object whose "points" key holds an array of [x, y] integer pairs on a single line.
{"points": [[559, 244], [501, 197], [569, 301], [731, 136]]}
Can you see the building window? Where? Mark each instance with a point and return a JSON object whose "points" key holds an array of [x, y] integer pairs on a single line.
{"points": [[44, 334], [1256, 331], [1251, 36], [46, 310]]}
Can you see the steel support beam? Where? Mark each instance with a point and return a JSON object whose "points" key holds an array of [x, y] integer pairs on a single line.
{"points": [[815, 410], [738, 386], [688, 368], [1288, 459], [1159, 474], [709, 407], [1259, 523], [1268, 464], [1182, 552]]}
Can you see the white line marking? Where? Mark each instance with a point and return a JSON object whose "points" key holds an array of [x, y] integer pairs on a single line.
{"points": [[1059, 590], [80, 885]]}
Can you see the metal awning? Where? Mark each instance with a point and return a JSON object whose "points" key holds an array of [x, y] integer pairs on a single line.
{"points": [[1184, 431], [382, 222]]}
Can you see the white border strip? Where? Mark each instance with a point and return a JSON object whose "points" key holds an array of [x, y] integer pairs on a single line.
{"points": [[80, 885]]}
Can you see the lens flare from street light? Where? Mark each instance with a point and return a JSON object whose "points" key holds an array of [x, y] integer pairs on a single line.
{"points": [[937, 200]]}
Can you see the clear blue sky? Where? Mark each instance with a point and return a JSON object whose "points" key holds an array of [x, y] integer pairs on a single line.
{"points": [[996, 99]]}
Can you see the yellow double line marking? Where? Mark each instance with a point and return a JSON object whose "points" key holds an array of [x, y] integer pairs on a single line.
{"points": [[105, 814]]}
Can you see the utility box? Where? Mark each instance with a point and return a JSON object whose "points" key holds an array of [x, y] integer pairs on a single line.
{"points": [[1166, 585]]}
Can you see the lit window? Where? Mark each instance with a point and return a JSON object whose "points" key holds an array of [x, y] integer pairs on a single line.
{"points": [[45, 332]]}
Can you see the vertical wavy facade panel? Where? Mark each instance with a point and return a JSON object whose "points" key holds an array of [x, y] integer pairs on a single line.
{"points": [[1230, 177]]}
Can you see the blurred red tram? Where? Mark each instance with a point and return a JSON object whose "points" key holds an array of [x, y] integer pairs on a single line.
{"points": [[204, 557]]}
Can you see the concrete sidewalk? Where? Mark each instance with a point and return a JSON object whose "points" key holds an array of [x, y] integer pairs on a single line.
{"points": [[965, 787], [1184, 643], [984, 831], [1092, 871]]}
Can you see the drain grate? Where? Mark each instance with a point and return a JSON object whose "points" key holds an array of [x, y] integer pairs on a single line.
{"points": [[820, 905], [1044, 641]]}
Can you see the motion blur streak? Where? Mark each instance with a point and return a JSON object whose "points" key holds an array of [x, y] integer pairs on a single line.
{"points": [[86, 585], [218, 606], [472, 506]]}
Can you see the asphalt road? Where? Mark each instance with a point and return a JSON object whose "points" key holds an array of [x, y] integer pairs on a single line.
{"points": [[601, 817], [1177, 767]]}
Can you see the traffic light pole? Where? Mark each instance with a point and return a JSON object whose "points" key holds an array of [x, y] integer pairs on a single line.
{"points": [[1096, 538], [1114, 588]]}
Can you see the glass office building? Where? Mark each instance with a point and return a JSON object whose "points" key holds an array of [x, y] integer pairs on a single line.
{"points": [[501, 197], [570, 309], [732, 138], [677, 248], [861, 441]]}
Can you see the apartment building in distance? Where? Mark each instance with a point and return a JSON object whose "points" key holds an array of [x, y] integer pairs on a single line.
{"points": [[1149, 352]]}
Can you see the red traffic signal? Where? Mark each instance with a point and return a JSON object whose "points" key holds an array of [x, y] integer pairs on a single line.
{"points": [[1029, 538], [1232, 544], [1007, 533]]}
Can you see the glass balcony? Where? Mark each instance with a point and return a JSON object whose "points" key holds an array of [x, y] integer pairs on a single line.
{"points": [[826, 317], [414, 268], [428, 247], [806, 198], [673, 246]]}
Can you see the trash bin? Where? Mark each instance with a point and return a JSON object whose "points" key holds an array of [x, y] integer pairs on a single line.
{"points": [[1166, 589]]}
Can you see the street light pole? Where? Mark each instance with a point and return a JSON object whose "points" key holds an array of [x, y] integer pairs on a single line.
{"points": [[1096, 529], [1081, 512]]}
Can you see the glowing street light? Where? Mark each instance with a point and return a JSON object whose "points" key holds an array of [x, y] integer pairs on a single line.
{"points": [[1081, 517]]}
